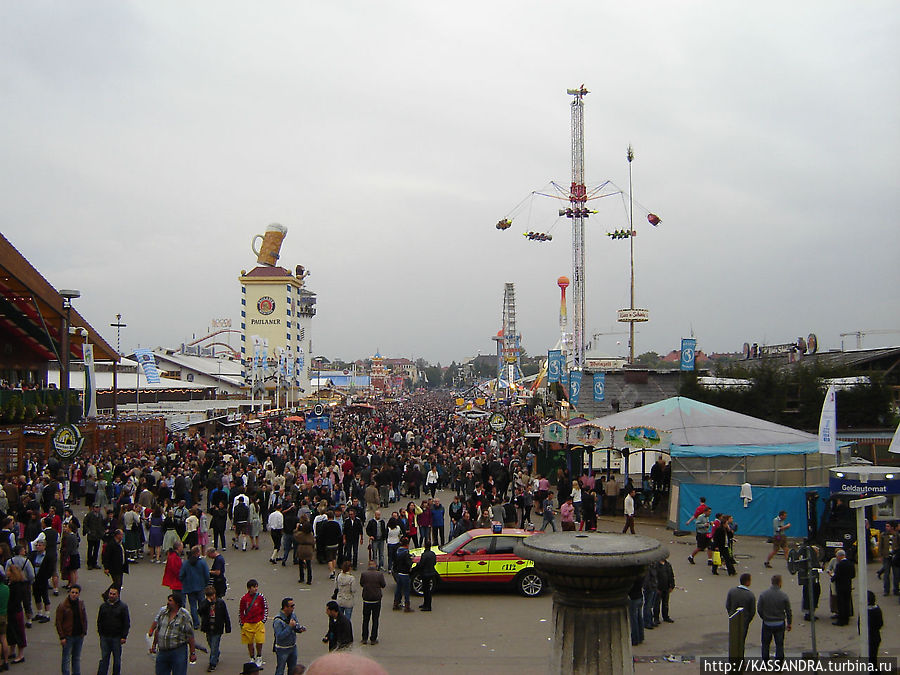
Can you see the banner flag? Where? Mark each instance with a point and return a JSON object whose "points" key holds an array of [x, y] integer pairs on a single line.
{"points": [[554, 365], [688, 347], [895, 442], [599, 386], [90, 382], [574, 386], [828, 425], [147, 361]]}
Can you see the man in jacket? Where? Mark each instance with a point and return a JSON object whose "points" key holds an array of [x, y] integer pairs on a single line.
{"points": [[437, 522], [401, 569], [214, 621], [376, 529], [774, 608], [286, 627], [93, 528], [216, 563], [113, 622], [340, 631], [844, 572], [372, 583], [115, 562], [353, 532], [665, 581], [425, 569], [253, 613], [194, 577], [71, 626], [742, 597], [331, 536]]}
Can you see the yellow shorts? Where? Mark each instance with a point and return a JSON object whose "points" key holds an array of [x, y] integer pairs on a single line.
{"points": [[253, 633]]}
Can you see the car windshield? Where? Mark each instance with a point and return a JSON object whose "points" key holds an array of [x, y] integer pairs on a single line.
{"points": [[455, 543]]}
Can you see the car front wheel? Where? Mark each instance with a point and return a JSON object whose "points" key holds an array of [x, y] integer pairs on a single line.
{"points": [[530, 584]]}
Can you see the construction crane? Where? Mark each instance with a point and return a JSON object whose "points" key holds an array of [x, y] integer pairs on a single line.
{"points": [[578, 212], [860, 333]]}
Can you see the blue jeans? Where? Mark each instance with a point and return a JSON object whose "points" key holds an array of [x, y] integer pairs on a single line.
{"points": [[769, 632], [348, 612], [287, 545], [110, 645], [548, 520], [172, 661], [213, 641], [378, 552], [194, 598], [402, 589], [71, 651], [286, 660], [636, 620], [649, 601]]}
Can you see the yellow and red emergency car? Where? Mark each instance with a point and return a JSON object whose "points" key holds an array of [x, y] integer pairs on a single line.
{"points": [[483, 557]]}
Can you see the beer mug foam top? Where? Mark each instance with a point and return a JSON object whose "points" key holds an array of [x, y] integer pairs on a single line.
{"points": [[269, 250]]}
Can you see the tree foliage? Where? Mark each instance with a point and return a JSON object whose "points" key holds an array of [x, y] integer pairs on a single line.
{"points": [[794, 396]]}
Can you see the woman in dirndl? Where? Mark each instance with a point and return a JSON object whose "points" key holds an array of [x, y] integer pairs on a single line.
{"points": [[170, 532], [155, 539]]}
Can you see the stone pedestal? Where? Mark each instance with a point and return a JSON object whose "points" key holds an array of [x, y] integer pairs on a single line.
{"points": [[591, 574]]}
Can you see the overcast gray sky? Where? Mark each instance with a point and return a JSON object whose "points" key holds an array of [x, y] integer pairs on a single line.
{"points": [[145, 143]]}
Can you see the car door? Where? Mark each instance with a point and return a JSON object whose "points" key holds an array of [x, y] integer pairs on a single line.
{"points": [[504, 563], [471, 562]]}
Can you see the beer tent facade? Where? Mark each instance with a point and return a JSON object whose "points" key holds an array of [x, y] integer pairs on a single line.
{"points": [[714, 451]]}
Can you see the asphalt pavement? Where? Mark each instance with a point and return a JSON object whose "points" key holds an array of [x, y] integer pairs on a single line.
{"points": [[468, 631]]}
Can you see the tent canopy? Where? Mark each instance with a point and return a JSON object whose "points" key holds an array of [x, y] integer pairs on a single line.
{"points": [[702, 430]]}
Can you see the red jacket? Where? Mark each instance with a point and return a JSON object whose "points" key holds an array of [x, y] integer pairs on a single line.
{"points": [[172, 571], [255, 612]]}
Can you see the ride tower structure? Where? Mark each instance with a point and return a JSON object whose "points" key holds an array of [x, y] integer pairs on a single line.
{"points": [[509, 351], [578, 212]]}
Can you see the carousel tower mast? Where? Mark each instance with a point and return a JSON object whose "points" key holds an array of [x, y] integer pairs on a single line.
{"points": [[509, 360], [578, 212]]}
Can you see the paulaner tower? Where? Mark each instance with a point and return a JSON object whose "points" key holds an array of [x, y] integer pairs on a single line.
{"points": [[276, 323]]}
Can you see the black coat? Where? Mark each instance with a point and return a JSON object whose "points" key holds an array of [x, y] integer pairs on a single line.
{"points": [[113, 621], [222, 622], [425, 566], [340, 632], [844, 573]]}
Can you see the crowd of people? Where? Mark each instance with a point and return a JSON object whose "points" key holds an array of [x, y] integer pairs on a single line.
{"points": [[365, 488]]}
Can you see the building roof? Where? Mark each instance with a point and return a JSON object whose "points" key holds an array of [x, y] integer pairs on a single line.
{"points": [[266, 271], [702, 430], [856, 358], [31, 309], [222, 369]]}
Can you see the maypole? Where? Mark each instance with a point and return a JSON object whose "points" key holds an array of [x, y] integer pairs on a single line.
{"points": [[577, 212]]}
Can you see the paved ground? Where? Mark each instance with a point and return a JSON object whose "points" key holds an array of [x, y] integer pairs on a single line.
{"points": [[488, 632]]}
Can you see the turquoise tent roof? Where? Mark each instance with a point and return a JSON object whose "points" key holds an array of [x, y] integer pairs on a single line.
{"points": [[703, 430]]}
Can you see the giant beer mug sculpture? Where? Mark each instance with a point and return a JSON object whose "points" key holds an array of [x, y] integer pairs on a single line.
{"points": [[269, 250]]}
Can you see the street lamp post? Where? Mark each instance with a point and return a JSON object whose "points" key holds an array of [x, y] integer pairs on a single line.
{"points": [[67, 295]]}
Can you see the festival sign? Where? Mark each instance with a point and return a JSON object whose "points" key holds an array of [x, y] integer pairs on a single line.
{"points": [[554, 432], [67, 442], [643, 438], [497, 421], [589, 434]]}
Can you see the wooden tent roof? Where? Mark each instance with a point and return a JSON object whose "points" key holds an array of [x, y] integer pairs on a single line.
{"points": [[32, 313]]}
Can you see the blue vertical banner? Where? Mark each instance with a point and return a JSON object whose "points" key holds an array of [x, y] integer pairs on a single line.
{"points": [[688, 347], [574, 386], [599, 386], [554, 365]]}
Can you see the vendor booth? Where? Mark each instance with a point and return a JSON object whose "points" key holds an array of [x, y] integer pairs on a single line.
{"points": [[744, 466]]}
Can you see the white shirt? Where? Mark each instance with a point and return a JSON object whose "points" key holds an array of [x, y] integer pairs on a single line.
{"points": [[629, 505], [276, 520]]}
